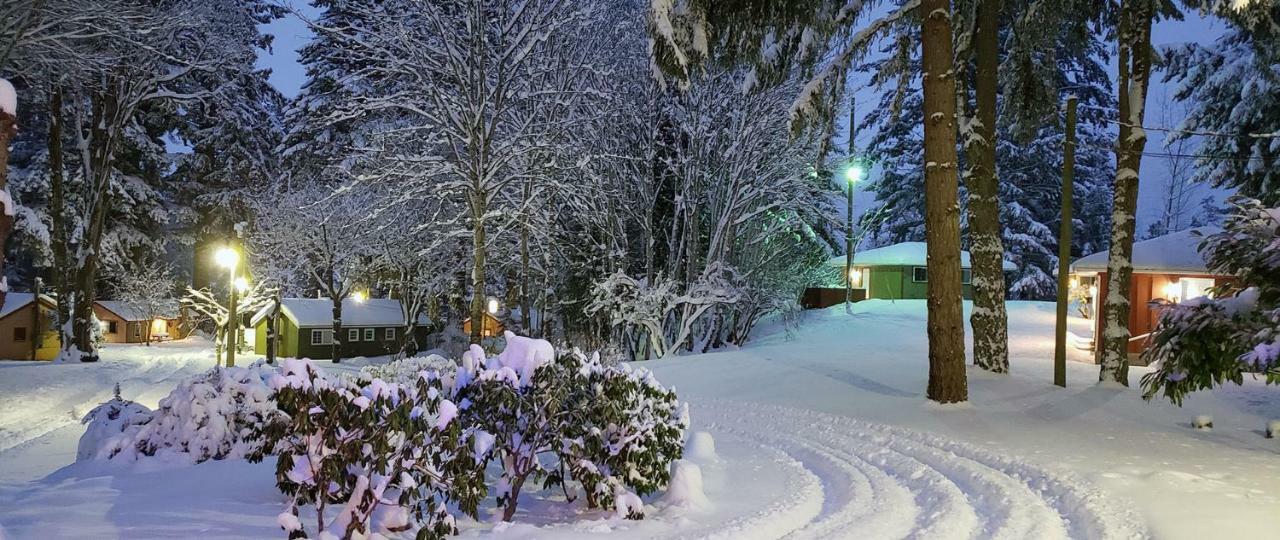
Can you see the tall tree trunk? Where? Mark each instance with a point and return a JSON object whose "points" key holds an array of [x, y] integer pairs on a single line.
{"points": [[335, 346], [526, 316], [58, 216], [477, 268], [947, 378], [8, 129], [1135, 70], [272, 320], [989, 320]]}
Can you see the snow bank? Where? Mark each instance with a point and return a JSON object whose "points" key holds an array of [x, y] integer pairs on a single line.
{"points": [[523, 355]]}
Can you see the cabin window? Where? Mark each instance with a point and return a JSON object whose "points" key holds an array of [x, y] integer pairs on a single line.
{"points": [[111, 327], [920, 274], [20, 333], [137, 330], [390, 334], [322, 337], [368, 334], [353, 334], [966, 276]]}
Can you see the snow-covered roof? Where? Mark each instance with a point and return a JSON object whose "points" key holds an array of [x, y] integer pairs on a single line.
{"points": [[1172, 253], [168, 310], [318, 312], [14, 301], [903, 254]]}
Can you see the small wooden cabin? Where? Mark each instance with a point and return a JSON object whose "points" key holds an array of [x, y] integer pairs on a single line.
{"points": [[490, 327], [27, 327], [895, 272], [1168, 267], [370, 327], [122, 323]]}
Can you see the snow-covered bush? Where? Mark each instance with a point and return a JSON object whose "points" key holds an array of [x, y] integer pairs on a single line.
{"points": [[1205, 342], [107, 421], [388, 455], [407, 370], [213, 415], [613, 430]]}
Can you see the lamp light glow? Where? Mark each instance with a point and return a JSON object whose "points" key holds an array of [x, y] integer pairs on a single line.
{"points": [[493, 306], [241, 284], [854, 172], [227, 258], [359, 296], [1173, 291]]}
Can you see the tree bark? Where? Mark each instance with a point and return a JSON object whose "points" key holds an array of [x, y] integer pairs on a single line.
{"points": [[477, 268], [989, 319], [8, 129], [335, 345], [1134, 75], [947, 378], [57, 215]]}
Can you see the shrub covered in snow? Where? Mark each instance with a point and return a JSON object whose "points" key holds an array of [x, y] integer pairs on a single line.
{"points": [[1206, 342], [387, 456], [213, 415], [108, 421], [611, 429], [407, 370]]}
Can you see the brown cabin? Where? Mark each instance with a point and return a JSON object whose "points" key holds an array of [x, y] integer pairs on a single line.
{"points": [[1168, 268], [27, 328], [491, 327], [121, 323]]}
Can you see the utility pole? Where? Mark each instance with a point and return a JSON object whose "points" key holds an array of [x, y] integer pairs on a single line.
{"points": [[1064, 246], [848, 238]]}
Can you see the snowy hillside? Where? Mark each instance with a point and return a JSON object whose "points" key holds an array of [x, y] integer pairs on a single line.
{"points": [[819, 432]]}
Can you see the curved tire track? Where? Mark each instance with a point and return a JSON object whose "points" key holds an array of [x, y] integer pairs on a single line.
{"points": [[881, 481]]}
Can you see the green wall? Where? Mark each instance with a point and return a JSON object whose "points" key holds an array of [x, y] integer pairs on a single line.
{"points": [[895, 283], [296, 342]]}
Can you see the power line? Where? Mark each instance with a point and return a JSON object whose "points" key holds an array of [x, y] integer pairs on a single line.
{"points": [[1272, 135]]}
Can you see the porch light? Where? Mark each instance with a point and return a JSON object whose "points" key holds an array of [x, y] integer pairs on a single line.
{"points": [[493, 306]]}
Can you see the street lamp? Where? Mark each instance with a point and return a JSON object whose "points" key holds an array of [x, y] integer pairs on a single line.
{"points": [[359, 296], [227, 257], [853, 173]]}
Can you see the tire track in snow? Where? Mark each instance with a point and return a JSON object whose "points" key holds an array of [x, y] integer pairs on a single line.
{"points": [[881, 481]]}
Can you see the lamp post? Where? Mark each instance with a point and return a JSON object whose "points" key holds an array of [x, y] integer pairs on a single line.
{"points": [[852, 174], [229, 258]]}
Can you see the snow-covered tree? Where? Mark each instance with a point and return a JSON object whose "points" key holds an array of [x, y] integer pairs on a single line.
{"points": [[318, 237], [147, 287], [1206, 342], [205, 305]]}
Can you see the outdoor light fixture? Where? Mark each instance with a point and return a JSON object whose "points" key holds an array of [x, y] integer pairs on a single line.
{"points": [[854, 172], [227, 258], [1173, 291], [493, 306], [855, 277], [241, 284]]}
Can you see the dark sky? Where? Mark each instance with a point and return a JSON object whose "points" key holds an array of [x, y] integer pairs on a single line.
{"points": [[291, 33]]}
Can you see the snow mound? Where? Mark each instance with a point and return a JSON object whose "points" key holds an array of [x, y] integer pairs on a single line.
{"points": [[523, 355], [1273, 429], [685, 488], [1202, 421], [701, 448], [109, 420], [8, 97]]}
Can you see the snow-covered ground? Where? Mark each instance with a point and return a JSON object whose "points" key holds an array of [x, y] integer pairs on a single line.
{"points": [[820, 432]]}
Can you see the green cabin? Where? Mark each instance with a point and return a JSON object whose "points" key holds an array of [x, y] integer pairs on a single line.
{"points": [[895, 272], [370, 327]]}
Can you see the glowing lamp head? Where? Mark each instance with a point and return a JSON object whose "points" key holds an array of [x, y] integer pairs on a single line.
{"points": [[854, 173], [227, 258], [493, 306], [359, 296], [241, 284]]}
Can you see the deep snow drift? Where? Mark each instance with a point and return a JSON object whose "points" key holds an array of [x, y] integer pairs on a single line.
{"points": [[817, 432]]}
